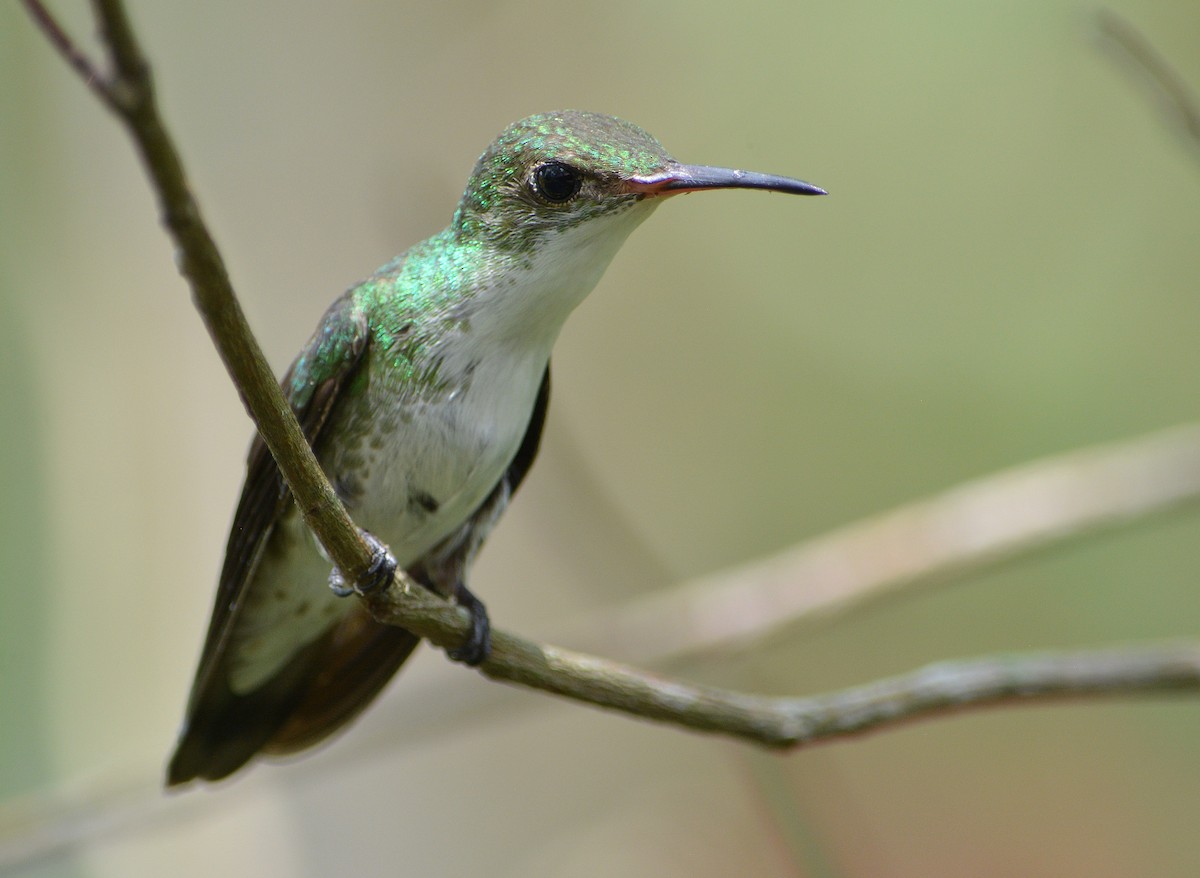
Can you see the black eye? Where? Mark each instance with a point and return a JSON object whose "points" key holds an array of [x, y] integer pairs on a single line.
{"points": [[556, 182]]}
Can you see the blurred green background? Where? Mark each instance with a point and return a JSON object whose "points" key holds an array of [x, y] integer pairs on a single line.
{"points": [[1006, 268]]}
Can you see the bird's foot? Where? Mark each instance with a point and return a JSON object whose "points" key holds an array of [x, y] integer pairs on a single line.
{"points": [[478, 645], [378, 573]]}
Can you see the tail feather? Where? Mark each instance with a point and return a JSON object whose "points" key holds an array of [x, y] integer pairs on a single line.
{"points": [[319, 691], [363, 656]]}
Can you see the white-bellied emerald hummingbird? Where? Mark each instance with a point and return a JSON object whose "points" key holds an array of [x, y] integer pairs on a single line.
{"points": [[423, 393]]}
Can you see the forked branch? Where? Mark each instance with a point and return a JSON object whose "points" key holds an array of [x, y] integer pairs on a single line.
{"points": [[126, 87]]}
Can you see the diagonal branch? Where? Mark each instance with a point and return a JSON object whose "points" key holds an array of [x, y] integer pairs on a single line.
{"points": [[128, 91], [973, 526]]}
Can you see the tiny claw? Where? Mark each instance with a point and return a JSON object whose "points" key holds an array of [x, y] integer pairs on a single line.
{"points": [[380, 570], [478, 645], [377, 575], [337, 583]]}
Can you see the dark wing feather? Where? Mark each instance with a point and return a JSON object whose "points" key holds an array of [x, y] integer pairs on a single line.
{"points": [[264, 499], [527, 452], [222, 730]]}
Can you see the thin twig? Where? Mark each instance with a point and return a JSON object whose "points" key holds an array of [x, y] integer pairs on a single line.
{"points": [[76, 59], [129, 92], [1178, 101]]}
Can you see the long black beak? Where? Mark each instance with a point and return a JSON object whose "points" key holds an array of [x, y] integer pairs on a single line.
{"points": [[694, 178]]}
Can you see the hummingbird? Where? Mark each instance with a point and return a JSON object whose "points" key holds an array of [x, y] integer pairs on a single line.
{"points": [[423, 393]]}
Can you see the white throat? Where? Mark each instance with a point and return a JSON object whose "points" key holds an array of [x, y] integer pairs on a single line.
{"points": [[529, 302]]}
